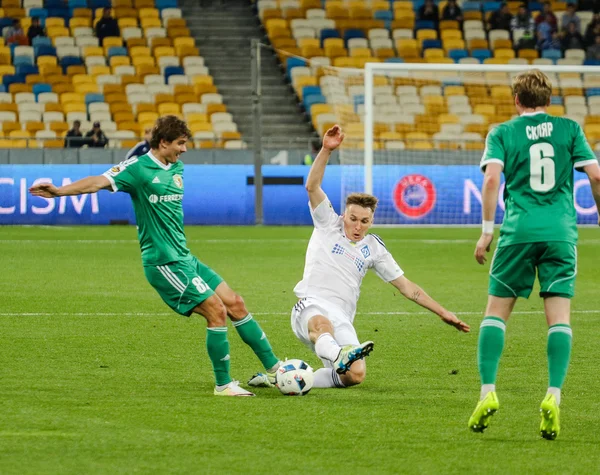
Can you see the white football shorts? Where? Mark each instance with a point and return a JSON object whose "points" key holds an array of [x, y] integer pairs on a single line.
{"points": [[306, 308]]}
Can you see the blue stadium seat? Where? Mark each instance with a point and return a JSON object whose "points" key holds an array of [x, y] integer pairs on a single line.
{"points": [[22, 61], [67, 61], [471, 6], [41, 87], [78, 4], [2, 88], [41, 40], [99, 4], [491, 6], [329, 33], [44, 50], [13, 79], [314, 99], [293, 63], [173, 70], [4, 22], [394, 60], [53, 3], [41, 13], [535, 6], [592, 91], [117, 51], [89, 98], [59, 13], [481, 54], [311, 91], [26, 69], [591, 62], [458, 54], [162, 4], [553, 54], [427, 44], [352, 33], [424, 25], [556, 100]]}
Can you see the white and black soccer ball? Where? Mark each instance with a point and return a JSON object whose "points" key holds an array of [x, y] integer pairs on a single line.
{"points": [[294, 378]]}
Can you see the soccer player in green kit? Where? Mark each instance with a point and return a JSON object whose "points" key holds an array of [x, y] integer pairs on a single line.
{"points": [[537, 154], [155, 183]]}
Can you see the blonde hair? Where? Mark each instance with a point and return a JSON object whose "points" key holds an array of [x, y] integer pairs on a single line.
{"points": [[533, 88], [363, 200]]}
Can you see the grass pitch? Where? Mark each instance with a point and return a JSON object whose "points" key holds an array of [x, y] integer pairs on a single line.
{"points": [[99, 376]]}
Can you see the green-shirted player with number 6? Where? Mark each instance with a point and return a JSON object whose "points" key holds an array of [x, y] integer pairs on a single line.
{"points": [[537, 154], [155, 183]]}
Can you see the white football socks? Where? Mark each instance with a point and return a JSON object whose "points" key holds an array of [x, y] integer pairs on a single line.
{"points": [[485, 389], [327, 378], [556, 392], [326, 347]]}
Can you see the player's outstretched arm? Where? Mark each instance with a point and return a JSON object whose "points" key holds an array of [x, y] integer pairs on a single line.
{"points": [[91, 184], [413, 292], [332, 140], [593, 173], [489, 202]]}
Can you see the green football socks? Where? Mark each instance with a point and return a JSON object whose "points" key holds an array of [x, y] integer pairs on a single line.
{"points": [[218, 352], [253, 335], [560, 337], [489, 351]]}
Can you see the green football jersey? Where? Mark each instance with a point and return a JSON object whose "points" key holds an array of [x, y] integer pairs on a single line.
{"points": [[156, 191], [538, 153]]}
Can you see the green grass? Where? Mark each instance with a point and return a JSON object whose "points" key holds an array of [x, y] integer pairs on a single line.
{"points": [[99, 376]]}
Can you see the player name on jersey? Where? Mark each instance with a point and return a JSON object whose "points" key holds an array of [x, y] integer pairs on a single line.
{"points": [[535, 132]]}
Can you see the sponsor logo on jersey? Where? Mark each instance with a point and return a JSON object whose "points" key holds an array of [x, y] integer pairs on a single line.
{"points": [[178, 181], [156, 180], [115, 169], [366, 252], [164, 198], [414, 196]]}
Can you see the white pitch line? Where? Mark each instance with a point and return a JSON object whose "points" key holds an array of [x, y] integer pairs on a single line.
{"points": [[247, 241], [157, 314]]}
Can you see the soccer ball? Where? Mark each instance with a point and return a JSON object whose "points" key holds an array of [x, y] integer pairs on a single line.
{"points": [[294, 378]]}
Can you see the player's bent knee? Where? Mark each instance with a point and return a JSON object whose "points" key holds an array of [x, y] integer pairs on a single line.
{"points": [[319, 324], [214, 311], [236, 308], [356, 375]]}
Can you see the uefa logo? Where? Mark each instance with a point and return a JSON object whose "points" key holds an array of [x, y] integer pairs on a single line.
{"points": [[153, 199], [414, 196]]}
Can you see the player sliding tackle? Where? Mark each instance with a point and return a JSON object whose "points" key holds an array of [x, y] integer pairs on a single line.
{"points": [[155, 183], [537, 154], [338, 256]]}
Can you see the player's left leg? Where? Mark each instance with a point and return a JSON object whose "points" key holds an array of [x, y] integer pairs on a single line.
{"points": [[557, 270], [248, 328]]}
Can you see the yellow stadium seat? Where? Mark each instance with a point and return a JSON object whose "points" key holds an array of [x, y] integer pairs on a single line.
{"points": [[164, 98], [186, 98], [99, 70], [119, 61], [87, 88], [34, 126], [143, 61], [202, 80], [485, 109], [504, 53], [360, 52], [92, 51], [426, 34], [74, 107], [448, 119], [454, 91], [453, 43], [176, 23], [478, 43], [148, 13], [46, 61], [501, 91], [81, 79], [69, 97], [169, 108], [164, 51], [111, 41], [82, 13], [54, 21], [79, 22], [183, 51], [433, 53], [449, 25], [451, 35], [9, 126], [528, 54], [139, 51], [183, 41], [556, 110], [196, 117], [57, 31], [127, 22], [150, 23]]}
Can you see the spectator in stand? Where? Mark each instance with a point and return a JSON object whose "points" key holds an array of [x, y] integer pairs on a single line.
{"points": [[14, 34], [591, 31], [74, 137], [551, 42], [547, 15], [452, 11], [107, 26], [545, 30], [593, 51], [522, 21], [429, 12], [35, 30], [95, 137], [570, 17], [500, 19], [572, 39]]}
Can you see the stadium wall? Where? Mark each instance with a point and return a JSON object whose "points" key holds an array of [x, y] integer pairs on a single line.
{"points": [[224, 194]]}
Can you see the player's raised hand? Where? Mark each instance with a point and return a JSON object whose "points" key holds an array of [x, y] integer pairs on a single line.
{"points": [[333, 138], [453, 320], [45, 190], [483, 246]]}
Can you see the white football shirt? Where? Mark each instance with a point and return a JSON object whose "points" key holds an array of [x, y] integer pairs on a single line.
{"points": [[335, 266]]}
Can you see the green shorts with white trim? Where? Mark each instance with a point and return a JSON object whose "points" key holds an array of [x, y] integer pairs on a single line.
{"points": [[514, 268], [183, 285]]}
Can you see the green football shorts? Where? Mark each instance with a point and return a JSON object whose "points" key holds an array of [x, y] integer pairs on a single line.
{"points": [[183, 285], [514, 268]]}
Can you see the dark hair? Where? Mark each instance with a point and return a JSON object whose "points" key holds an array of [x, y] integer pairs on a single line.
{"points": [[362, 199], [16, 21], [169, 128], [76, 122]]}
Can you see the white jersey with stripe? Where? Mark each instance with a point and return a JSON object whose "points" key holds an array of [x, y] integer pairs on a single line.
{"points": [[335, 266]]}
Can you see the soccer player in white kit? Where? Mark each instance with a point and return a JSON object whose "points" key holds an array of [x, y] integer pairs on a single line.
{"points": [[338, 256]]}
